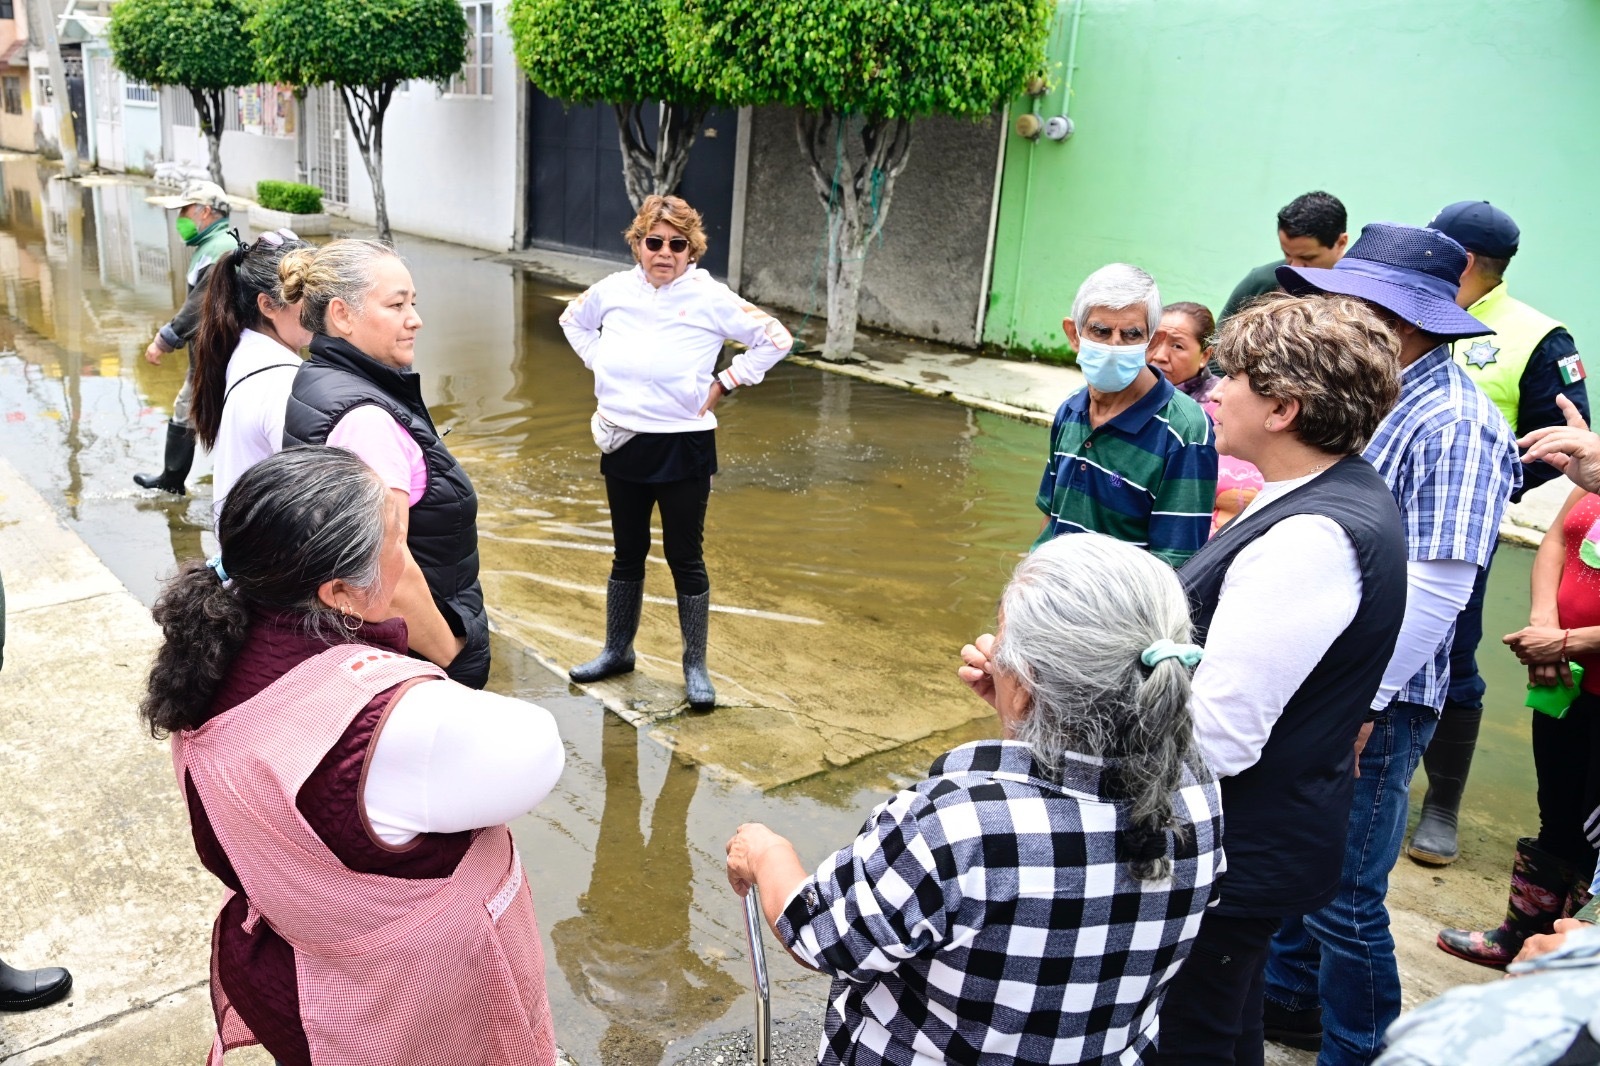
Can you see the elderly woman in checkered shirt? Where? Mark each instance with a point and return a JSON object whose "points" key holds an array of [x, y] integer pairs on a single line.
{"points": [[1031, 899]]}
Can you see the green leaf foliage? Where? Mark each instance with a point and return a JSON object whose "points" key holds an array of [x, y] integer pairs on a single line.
{"points": [[588, 51], [875, 58], [289, 196], [197, 44], [360, 42]]}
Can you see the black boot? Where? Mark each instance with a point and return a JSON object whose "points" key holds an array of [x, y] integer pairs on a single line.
{"points": [[180, 457], [27, 989], [694, 616], [1447, 760], [623, 601]]}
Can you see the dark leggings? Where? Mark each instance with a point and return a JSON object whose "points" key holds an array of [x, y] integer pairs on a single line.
{"points": [[1212, 1013], [683, 524], [1566, 760]]}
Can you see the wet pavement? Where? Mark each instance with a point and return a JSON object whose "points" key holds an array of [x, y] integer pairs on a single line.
{"points": [[856, 537]]}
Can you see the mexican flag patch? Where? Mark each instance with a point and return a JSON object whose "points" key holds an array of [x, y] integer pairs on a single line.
{"points": [[1571, 369]]}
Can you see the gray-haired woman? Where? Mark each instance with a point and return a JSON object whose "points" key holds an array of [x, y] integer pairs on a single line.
{"points": [[344, 792], [1029, 901]]}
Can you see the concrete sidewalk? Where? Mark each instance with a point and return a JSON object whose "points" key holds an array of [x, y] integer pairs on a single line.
{"points": [[100, 873]]}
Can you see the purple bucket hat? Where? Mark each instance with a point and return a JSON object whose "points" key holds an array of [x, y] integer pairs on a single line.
{"points": [[1410, 271]]}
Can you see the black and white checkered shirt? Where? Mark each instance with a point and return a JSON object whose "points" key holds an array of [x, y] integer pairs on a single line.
{"points": [[982, 917]]}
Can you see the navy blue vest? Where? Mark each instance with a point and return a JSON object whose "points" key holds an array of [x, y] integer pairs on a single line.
{"points": [[443, 535], [1285, 818]]}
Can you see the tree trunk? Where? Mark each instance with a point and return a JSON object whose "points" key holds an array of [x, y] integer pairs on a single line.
{"points": [[208, 112], [855, 187], [365, 106], [655, 168]]}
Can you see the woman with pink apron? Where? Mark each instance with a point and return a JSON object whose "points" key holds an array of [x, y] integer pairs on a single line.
{"points": [[351, 799]]}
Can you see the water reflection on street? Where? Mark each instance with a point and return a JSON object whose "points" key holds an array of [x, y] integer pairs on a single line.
{"points": [[857, 536]]}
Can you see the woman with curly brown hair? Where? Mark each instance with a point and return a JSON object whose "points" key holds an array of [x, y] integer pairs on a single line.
{"points": [[1298, 602], [653, 335]]}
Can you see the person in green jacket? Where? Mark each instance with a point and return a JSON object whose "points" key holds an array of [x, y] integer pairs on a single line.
{"points": [[1311, 233], [202, 222]]}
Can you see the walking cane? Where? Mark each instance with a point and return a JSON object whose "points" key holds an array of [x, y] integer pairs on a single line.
{"points": [[753, 922]]}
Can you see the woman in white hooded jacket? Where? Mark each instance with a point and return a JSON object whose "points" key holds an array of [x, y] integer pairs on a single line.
{"points": [[653, 335]]}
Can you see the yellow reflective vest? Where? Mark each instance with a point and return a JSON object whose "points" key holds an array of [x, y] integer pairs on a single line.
{"points": [[1496, 363]]}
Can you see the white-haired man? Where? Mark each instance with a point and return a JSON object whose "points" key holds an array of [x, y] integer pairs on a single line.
{"points": [[1130, 456]]}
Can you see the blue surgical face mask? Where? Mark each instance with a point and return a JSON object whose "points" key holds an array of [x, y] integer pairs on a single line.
{"points": [[1110, 367]]}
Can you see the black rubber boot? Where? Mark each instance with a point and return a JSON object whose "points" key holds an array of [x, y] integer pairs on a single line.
{"points": [[29, 989], [694, 619], [623, 602], [180, 457], [1447, 760]]}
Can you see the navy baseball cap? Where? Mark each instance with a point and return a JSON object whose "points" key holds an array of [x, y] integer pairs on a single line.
{"points": [[1479, 227], [1410, 271]]}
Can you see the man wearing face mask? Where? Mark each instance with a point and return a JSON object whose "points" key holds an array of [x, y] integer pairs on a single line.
{"points": [[1130, 456], [202, 222]]}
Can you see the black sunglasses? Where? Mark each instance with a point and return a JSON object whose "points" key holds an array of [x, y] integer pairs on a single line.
{"points": [[679, 245]]}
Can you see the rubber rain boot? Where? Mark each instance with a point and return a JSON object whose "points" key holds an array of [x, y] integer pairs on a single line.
{"points": [[1540, 883], [694, 617], [1578, 897], [179, 458], [1447, 760], [623, 602]]}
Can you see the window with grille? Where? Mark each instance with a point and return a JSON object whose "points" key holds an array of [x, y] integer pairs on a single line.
{"points": [[477, 75], [11, 90], [137, 92]]}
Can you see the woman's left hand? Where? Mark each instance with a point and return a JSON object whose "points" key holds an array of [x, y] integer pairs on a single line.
{"points": [[717, 393], [1538, 644], [749, 846]]}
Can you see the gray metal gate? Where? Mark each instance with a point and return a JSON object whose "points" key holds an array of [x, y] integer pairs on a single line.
{"points": [[329, 166]]}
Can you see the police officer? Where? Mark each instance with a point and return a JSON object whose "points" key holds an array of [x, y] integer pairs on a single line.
{"points": [[1529, 361]]}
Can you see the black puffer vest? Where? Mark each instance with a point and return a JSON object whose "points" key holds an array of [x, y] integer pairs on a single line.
{"points": [[1285, 817], [443, 537]]}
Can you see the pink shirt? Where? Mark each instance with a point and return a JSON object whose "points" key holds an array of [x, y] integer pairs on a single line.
{"points": [[386, 446]]}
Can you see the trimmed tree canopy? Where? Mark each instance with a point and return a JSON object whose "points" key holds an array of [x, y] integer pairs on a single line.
{"points": [[596, 51], [365, 48], [360, 42], [196, 44], [897, 59]]}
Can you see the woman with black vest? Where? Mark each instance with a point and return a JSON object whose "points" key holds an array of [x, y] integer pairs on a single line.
{"points": [[1298, 602], [358, 391]]}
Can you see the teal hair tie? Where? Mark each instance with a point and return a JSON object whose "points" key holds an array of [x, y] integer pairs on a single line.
{"points": [[215, 562], [1189, 654]]}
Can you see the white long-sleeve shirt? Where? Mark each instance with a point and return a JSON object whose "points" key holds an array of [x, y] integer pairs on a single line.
{"points": [[260, 375], [450, 758], [653, 351], [1294, 590]]}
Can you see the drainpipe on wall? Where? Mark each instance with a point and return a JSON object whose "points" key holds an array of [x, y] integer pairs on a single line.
{"points": [[994, 221], [741, 191]]}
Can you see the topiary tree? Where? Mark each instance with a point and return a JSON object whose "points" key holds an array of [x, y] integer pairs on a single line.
{"points": [[365, 48], [611, 51], [859, 71], [198, 45]]}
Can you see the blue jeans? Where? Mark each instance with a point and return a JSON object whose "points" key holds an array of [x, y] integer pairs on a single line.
{"points": [[1343, 955]]}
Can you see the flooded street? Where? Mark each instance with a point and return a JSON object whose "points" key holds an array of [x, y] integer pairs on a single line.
{"points": [[857, 536]]}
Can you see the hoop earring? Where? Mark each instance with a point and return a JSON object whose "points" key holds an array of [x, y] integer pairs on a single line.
{"points": [[345, 617]]}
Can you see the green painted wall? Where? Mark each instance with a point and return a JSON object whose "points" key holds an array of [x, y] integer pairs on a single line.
{"points": [[1198, 119]]}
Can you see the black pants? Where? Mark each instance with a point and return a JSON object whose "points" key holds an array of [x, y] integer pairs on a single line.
{"points": [[1212, 1013], [1566, 760], [683, 526]]}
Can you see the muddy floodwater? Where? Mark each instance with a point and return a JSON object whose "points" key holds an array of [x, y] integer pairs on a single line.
{"points": [[857, 536]]}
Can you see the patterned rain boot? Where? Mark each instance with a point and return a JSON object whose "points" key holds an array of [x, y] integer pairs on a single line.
{"points": [[1540, 884], [1578, 898], [623, 602], [694, 617]]}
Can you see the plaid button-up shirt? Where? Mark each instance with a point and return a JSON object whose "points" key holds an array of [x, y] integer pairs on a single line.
{"points": [[983, 917], [1451, 461]]}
